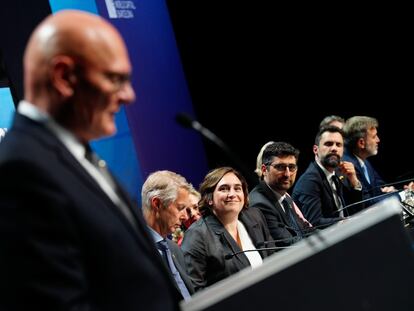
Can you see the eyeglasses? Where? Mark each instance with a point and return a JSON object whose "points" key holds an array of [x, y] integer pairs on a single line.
{"points": [[118, 80], [282, 167]]}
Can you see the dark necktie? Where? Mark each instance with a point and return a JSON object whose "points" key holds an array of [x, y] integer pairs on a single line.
{"points": [[100, 165], [290, 215], [166, 254], [337, 193]]}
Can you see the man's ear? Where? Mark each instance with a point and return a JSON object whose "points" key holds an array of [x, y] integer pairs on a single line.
{"points": [[315, 149], [361, 143], [155, 204], [63, 75], [263, 168]]}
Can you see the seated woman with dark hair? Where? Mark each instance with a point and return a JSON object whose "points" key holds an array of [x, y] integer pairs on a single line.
{"points": [[227, 227]]}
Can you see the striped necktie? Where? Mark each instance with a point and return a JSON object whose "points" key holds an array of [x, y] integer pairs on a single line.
{"points": [[336, 190]]}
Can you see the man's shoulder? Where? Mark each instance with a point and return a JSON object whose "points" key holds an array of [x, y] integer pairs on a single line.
{"points": [[313, 171], [30, 136], [259, 194], [349, 157], [198, 227], [22, 148], [173, 246], [312, 178], [257, 190]]}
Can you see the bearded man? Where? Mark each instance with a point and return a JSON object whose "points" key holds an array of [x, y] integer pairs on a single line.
{"points": [[328, 185]]}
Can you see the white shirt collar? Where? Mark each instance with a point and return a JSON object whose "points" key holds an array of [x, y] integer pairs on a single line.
{"points": [[327, 173], [279, 197], [155, 235], [67, 138], [361, 162], [32, 112]]}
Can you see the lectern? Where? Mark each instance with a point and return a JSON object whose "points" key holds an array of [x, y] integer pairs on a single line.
{"points": [[364, 263]]}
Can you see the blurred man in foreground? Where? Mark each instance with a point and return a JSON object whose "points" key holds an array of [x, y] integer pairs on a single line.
{"points": [[70, 239]]}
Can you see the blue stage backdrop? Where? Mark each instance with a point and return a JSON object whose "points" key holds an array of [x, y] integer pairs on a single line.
{"points": [[148, 137], [6, 110]]}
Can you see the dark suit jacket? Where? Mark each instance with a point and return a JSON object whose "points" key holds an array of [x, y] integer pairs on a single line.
{"points": [[179, 262], [313, 194], [369, 190], [263, 198], [64, 245], [207, 242]]}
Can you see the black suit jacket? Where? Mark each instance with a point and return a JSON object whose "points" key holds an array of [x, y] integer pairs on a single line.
{"points": [[64, 245], [263, 198], [313, 194], [207, 242], [179, 262]]}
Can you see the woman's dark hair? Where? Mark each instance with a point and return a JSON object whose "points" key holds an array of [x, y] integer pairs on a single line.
{"points": [[209, 184]]}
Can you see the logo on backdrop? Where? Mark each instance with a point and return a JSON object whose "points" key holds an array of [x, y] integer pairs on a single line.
{"points": [[120, 9], [3, 132]]}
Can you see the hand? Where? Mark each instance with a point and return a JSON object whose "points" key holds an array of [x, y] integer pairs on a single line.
{"points": [[388, 189], [410, 186], [348, 169]]}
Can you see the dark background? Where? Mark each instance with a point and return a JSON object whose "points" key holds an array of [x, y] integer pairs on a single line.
{"points": [[251, 69]]}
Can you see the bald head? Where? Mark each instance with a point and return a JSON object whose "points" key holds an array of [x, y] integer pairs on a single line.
{"points": [[77, 34], [61, 64]]}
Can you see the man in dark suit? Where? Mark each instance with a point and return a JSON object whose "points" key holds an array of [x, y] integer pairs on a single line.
{"points": [[165, 199], [277, 170], [362, 142], [70, 238], [328, 184]]}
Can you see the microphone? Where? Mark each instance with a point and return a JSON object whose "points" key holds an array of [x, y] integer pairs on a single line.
{"points": [[272, 242], [409, 173], [366, 200], [275, 248], [186, 121], [231, 255], [314, 230], [391, 184], [299, 232], [293, 238]]}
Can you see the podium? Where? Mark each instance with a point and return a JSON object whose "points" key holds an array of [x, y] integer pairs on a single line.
{"points": [[364, 263]]}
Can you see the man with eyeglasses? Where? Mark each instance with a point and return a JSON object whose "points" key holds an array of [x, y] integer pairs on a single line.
{"points": [[278, 169], [328, 185], [70, 237]]}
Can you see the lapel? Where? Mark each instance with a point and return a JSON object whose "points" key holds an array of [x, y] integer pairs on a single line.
{"points": [[339, 184], [252, 227], [48, 141], [271, 196], [178, 262], [325, 184], [226, 240], [68, 160]]}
